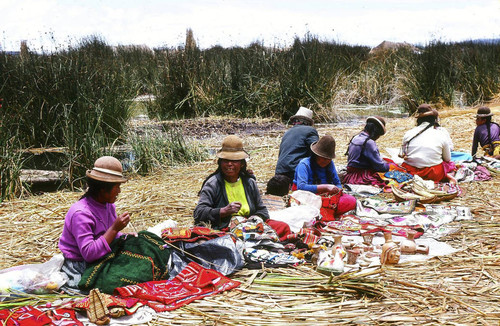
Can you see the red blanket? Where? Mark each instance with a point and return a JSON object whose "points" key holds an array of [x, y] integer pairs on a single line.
{"points": [[192, 283]]}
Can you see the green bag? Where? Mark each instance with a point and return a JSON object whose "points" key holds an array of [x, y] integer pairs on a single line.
{"points": [[132, 260]]}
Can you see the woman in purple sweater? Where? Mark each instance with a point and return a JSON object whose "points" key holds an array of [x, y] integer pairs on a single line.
{"points": [[487, 134], [364, 160], [91, 223]]}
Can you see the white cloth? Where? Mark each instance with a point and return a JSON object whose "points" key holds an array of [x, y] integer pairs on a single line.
{"points": [[427, 149], [296, 216]]}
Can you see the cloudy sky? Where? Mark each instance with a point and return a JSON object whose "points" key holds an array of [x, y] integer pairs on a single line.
{"points": [[51, 24]]}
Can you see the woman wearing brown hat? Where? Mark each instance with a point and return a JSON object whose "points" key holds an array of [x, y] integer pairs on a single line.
{"points": [[487, 134], [364, 160], [426, 149], [91, 223], [230, 190], [318, 174]]}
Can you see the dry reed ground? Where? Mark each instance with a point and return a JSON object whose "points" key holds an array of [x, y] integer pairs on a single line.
{"points": [[462, 288]]}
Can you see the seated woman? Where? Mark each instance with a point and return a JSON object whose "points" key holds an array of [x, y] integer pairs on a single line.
{"points": [[426, 148], [487, 134], [364, 160], [231, 190], [91, 223], [317, 174]]}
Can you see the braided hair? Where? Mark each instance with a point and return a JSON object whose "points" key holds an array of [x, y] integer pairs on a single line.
{"points": [[374, 131]]}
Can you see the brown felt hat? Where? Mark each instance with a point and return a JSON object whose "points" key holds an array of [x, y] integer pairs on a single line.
{"points": [[324, 147], [483, 112], [425, 110], [232, 149], [378, 120], [107, 169]]}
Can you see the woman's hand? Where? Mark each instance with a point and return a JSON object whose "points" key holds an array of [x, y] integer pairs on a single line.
{"points": [[230, 209], [328, 189], [121, 222]]}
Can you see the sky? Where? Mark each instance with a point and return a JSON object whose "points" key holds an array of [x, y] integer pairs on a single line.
{"points": [[49, 25]]}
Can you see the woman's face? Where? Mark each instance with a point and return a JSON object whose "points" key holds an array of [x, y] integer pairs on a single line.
{"points": [[480, 121], [230, 169], [111, 195], [322, 161]]}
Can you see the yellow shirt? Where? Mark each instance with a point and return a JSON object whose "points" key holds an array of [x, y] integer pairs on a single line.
{"points": [[236, 192]]}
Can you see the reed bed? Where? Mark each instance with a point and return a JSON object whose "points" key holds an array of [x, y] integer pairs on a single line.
{"points": [[462, 288]]}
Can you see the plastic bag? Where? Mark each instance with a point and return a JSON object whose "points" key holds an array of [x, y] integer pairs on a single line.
{"points": [[33, 278], [302, 197]]}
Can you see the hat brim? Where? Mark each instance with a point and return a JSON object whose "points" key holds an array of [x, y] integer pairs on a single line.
{"points": [[484, 115], [313, 149], [234, 156], [427, 114], [104, 177], [301, 117]]}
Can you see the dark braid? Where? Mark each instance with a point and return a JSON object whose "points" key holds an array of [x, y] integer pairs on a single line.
{"points": [[374, 132]]}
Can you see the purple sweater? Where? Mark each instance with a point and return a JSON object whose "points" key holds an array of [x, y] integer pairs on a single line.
{"points": [[367, 157], [84, 226]]}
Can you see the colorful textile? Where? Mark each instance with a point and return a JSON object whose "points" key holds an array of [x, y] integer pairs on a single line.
{"points": [[193, 234], [306, 235], [348, 225], [273, 202], [128, 305], [282, 229], [34, 316], [383, 207], [132, 260], [362, 190], [399, 176], [192, 283], [252, 228], [271, 258], [363, 177], [334, 206]]}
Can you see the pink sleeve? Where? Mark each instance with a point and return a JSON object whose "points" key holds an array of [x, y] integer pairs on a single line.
{"points": [[89, 236]]}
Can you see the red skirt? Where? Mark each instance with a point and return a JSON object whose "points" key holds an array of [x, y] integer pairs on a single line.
{"points": [[435, 173], [357, 176]]}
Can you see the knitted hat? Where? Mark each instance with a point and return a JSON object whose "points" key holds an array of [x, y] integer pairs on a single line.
{"points": [[378, 120], [107, 169], [483, 112], [324, 147], [232, 149], [303, 113]]}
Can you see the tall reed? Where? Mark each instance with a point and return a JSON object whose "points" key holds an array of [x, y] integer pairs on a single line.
{"points": [[79, 97]]}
